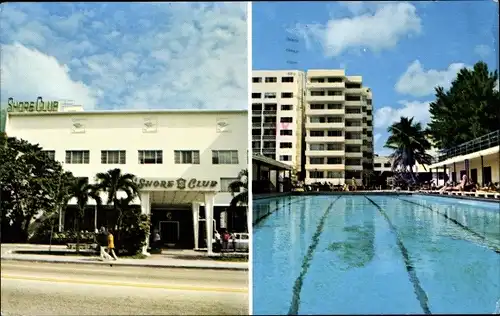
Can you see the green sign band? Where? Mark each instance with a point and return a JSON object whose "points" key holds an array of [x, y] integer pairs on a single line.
{"points": [[30, 106], [180, 184]]}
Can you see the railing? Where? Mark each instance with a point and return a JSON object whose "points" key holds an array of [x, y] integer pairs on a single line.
{"points": [[481, 143]]}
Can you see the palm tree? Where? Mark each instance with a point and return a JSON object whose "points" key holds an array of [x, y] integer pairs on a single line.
{"points": [[113, 181], [240, 187], [82, 191], [409, 142]]}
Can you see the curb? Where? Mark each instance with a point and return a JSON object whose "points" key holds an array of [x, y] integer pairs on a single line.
{"points": [[163, 266]]}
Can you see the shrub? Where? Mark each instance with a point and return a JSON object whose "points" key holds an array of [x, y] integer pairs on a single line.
{"points": [[134, 230]]}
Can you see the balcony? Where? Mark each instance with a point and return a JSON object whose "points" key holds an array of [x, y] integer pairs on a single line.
{"points": [[325, 167], [353, 128], [269, 125], [257, 124], [268, 151], [358, 116], [325, 139], [324, 153], [269, 137], [270, 112], [351, 141], [324, 98], [256, 112], [326, 85], [354, 167], [256, 137], [325, 111], [481, 143], [324, 126], [353, 103], [354, 154], [355, 91]]}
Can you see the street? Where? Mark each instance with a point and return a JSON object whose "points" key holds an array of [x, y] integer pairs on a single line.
{"points": [[72, 289]]}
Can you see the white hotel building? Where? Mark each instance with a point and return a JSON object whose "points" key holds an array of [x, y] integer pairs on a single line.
{"points": [[186, 159], [277, 115], [338, 127]]}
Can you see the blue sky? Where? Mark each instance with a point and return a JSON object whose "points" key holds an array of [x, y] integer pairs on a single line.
{"points": [[126, 55], [402, 49]]}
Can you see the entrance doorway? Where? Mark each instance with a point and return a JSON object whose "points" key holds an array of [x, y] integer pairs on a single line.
{"points": [[486, 175], [473, 175], [170, 233]]}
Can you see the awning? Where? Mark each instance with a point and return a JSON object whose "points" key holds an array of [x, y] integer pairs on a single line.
{"points": [[477, 154], [270, 162]]}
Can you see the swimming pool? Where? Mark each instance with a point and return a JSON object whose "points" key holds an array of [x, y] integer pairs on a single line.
{"points": [[375, 254]]}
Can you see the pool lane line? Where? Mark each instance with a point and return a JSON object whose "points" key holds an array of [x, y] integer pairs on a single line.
{"points": [[462, 226], [300, 199], [419, 291], [306, 261]]}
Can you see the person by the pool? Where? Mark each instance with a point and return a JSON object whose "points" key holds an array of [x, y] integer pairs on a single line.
{"points": [[464, 185]]}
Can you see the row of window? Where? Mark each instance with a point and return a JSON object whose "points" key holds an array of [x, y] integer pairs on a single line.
{"points": [[348, 174], [219, 157], [283, 132], [386, 165], [271, 107], [338, 133], [272, 95], [287, 79], [271, 145]]}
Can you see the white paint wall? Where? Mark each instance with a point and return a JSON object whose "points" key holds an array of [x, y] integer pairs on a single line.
{"points": [[176, 130]]}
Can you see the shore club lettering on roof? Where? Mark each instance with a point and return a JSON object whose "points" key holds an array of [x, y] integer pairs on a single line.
{"points": [[32, 106], [178, 184]]}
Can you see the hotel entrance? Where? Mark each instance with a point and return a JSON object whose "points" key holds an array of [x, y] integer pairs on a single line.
{"points": [[174, 223]]}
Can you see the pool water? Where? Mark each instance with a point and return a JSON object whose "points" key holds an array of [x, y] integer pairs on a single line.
{"points": [[376, 254]]}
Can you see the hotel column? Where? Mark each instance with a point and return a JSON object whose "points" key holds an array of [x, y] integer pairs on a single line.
{"points": [[209, 216], [60, 228], [196, 220], [145, 209], [95, 217], [482, 172]]}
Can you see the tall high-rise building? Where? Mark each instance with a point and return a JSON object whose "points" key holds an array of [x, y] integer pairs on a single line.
{"points": [[277, 115], [338, 128]]}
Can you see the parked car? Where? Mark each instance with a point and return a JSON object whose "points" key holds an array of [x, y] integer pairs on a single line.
{"points": [[241, 242]]}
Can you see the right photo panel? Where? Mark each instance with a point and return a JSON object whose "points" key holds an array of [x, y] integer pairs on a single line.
{"points": [[375, 169]]}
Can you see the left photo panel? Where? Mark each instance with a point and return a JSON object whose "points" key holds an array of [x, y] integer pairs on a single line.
{"points": [[124, 159]]}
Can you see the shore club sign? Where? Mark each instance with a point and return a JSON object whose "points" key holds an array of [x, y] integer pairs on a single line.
{"points": [[178, 184], [32, 106]]}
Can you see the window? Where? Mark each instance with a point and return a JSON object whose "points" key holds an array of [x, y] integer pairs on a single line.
{"points": [[377, 165], [147, 157], [317, 119], [335, 79], [187, 157], [316, 161], [256, 144], [286, 132], [270, 95], [387, 165], [351, 110], [334, 174], [316, 174], [286, 145], [77, 156], [369, 101], [286, 119], [256, 79], [257, 106], [286, 157], [225, 157], [333, 92], [369, 112], [286, 79], [352, 162], [317, 106], [225, 183], [113, 157], [316, 146], [369, 123], [353, 135], [353, 85], [352, 97], [286, 107], [352, 149], [334, 133], [271, 79], [317, 80], [51, 154], [317, 133], [334, 106], [335, 119], [335, 146], [317, 93], [286, 95], [334, 161], [256, 95]]}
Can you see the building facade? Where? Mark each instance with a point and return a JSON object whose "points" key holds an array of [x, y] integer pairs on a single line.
{"points": [[338, 127], [183, 160], [277, 115]]}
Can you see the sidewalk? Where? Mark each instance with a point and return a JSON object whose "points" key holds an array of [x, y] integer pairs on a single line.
{"points": [[154, 261]]}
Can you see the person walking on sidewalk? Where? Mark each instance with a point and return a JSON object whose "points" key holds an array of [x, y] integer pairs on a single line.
{"points": [[102, 242], [111, 244]]}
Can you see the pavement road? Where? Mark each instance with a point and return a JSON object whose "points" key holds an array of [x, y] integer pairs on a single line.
{"points": [[69, 289]]}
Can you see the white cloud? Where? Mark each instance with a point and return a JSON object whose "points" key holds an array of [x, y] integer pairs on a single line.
{"points": [[28, 73], [386, 115], [377, 30], [194, 55], [419, 82], [482, 50]]}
